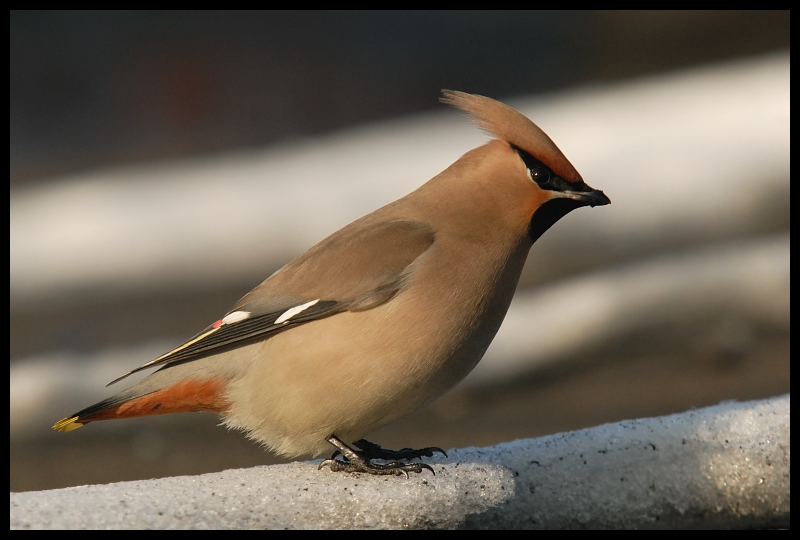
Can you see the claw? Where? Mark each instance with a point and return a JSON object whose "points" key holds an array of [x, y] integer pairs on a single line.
{"points": [[395, 468], [436, 449]]}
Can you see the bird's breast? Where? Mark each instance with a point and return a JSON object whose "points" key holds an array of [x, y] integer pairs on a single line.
{"points": [[459, 305]]}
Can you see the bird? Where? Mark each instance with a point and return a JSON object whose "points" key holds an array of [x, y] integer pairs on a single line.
{"points": [[378, 319]]}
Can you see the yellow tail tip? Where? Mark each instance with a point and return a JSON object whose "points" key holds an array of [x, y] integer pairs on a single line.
{"points": [[66, 425]]}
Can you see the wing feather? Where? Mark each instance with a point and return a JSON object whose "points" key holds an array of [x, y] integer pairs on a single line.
{"points": [[357, 268]]}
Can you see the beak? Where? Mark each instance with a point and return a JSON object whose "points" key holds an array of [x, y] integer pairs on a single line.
{"points": [[593, 198], [584, 195]]}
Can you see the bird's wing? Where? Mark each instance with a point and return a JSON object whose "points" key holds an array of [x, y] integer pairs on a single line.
{"points": [[357, 268]]}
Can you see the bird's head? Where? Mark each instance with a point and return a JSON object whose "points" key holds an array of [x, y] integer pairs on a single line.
{"points": [[552, 182]]}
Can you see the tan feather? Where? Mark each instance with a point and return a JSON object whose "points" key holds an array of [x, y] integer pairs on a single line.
{"points": [[507, 124]]}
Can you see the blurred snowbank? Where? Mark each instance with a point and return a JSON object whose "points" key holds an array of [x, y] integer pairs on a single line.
{"points": [[745, 281], [685, 158]]}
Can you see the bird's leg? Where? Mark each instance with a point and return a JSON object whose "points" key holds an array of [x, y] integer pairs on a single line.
{"points": [[360, 462], [370, 450]]}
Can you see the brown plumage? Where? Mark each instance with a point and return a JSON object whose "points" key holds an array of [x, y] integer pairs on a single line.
{"points": [[380, 318], [507, 124]]}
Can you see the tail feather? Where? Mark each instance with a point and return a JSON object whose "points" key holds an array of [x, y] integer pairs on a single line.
{"points": [[67, 424], [185, 396]]}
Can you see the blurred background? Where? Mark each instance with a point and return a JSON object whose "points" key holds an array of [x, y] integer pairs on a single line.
{"points": [[164, 163]]}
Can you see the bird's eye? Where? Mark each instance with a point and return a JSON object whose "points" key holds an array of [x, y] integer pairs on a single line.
{"points": [[540, 175]]}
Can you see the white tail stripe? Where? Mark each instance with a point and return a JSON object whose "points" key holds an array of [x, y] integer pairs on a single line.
{"points": [[236, 316], [289, 313]]}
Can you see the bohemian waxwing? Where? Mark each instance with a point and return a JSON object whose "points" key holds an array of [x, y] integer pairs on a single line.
{"points": [[380, 318]]}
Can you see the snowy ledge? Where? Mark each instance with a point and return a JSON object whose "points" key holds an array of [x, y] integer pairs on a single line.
{"points": [[726, 466]]}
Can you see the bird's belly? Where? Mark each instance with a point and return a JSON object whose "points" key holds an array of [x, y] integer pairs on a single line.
{"points": [[321, 379]]}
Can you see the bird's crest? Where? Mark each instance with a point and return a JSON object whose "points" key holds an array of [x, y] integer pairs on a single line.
{"points": [[510, 125]]}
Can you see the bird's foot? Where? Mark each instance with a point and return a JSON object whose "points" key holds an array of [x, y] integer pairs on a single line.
{"points": [[360, 461], [370, 450], [365, 466]]}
